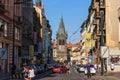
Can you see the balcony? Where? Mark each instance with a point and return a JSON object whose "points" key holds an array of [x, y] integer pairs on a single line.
{"points": [[97, 14], [18, 19], [2, 8], [93, 6], [94, 37], [102, 5], [94, 22]]}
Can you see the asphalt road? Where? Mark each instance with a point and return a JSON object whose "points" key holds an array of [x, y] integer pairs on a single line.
{"points": [[74, 75]]}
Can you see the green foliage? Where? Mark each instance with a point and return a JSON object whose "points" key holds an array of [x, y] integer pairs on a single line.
{"points": [[65, 61], [58, 61]]}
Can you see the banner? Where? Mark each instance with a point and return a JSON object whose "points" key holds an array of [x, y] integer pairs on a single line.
{"points": [[88, 40], [3, 53], [31, 50]]}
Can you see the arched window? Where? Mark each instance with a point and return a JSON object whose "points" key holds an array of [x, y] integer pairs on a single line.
{"points": [[60, 42], [63, 42]]}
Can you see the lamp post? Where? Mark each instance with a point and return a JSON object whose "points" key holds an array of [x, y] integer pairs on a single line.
{"points": [[101, 40]]}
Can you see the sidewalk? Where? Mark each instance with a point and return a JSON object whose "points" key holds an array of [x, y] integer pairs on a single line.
{"points": [[108, 76], [5, 76]]}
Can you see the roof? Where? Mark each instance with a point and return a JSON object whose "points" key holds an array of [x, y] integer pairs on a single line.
{"points": [[61, 29]]}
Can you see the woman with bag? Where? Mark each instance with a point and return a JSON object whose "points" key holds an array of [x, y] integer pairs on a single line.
{"points": [[31, 74], [26, 73]]}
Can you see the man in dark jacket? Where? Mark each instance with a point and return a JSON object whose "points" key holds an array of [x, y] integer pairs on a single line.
{"points": [[88, 70]]}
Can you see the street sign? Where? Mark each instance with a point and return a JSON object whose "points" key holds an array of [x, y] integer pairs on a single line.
{"points": [[3, 53], [104, 52]]}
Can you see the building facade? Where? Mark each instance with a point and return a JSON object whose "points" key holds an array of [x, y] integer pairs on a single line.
{"points": [[103, 15], [10, 34]]}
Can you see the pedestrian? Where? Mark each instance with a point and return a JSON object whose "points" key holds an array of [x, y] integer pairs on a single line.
{"points": [[99, 66], [26, 73], [96, 66], [88, 71], [112, 66], [68, 68], [31, 74]]}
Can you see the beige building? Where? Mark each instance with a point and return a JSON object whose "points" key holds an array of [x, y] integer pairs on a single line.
{"points": [[75, 54], [103, 23], [112, 23]]}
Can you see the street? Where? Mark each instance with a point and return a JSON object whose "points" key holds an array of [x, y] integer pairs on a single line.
{"points": [[74, 75]]}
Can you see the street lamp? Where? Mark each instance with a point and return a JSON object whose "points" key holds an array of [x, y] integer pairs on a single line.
{"points": [[101, 40]]}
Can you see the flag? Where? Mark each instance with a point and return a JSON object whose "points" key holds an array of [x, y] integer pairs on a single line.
{"points": [[88, 40]]}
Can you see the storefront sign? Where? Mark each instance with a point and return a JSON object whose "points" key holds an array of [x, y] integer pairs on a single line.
{"points": [[3, 53]]}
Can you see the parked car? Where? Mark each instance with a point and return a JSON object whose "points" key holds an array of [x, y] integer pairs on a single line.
{"points": [[92, 70], [64, 69], [56, 69], [59, 69], [81, 68]]}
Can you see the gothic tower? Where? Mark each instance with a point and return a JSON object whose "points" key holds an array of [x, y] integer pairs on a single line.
{"points": [[61, 37]]}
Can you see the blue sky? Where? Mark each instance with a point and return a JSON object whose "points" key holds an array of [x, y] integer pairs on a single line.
{"points": [[74, 12]]}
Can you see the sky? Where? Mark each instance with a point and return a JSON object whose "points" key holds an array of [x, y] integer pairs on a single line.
{"points": [[74, 13]]}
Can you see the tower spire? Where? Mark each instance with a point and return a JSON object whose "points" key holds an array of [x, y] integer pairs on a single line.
{"points": [[61, 29], [38, 3]]}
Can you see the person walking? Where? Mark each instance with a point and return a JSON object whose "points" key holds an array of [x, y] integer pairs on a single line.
{"points": [[26, 73], [112, 66], [88, 71], [31, 74], [68, 68]]}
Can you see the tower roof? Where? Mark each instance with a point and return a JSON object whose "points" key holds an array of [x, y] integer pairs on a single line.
{"points": [[61, 29]]}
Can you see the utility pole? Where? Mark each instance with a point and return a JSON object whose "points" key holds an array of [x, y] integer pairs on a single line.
{"points": [[101, 40]]}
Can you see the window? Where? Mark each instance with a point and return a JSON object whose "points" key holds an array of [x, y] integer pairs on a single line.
{"points": [[60, 42], [63, 42], [6, 29], [1, 45], [17, 33]]}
